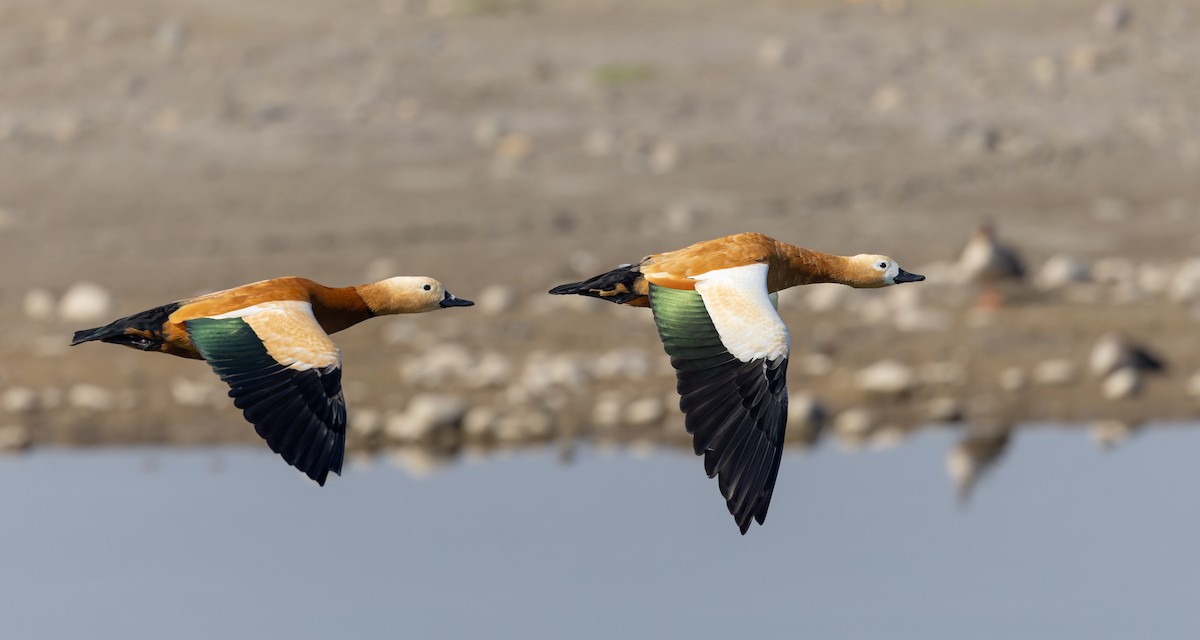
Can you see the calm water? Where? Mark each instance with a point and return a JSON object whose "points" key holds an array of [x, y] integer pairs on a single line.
{"points": [[1062, 541]]}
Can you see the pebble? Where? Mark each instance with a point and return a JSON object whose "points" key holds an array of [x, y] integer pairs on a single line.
{"points": [[664, 157], [90, 397], [84, 302], [1125, 382], [1153, 278], [622, 363], [426, 415], [814, 365], [38, 304], [977, 452], [773, 53], [364, 423], [194, 393], [1185, 284], [1061, 270], [887, 377], [607, 410], [487, 131], [19, 399], [491, 370], [645, 411], [52, 398], [496, 299], [852, 426], [15, 437], [1054, 372], [888, 98], [437, 366], [1193, 385], [946, 372], [524, 425], [480, 422]]}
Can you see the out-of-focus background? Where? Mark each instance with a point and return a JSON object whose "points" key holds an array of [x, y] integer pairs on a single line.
{"points": [[151, 151]]}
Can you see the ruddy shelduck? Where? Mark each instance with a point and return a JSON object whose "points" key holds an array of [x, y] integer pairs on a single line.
{"points": [[269, 341], [715, 306]]}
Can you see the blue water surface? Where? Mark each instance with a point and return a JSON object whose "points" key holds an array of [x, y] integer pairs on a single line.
{"points": [[1062, 541]]}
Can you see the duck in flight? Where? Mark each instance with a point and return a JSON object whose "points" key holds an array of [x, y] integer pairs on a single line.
{"points": [[269, 341], [715, 306]]}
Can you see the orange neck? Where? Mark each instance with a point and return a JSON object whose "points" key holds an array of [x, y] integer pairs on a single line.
{"points": [[338, 308], [799, 266]]}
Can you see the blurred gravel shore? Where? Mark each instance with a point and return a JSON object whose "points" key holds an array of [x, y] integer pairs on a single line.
{"points": [[154, 151]]}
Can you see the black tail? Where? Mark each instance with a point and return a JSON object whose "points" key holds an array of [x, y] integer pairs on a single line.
{"points": [[619, 285], [140, 330]]}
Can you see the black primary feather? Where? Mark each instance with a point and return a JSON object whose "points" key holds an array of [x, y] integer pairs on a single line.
{"points": [[300, 413], [736, 411]]}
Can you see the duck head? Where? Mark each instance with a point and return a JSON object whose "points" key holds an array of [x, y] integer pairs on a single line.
{"points": [[408, 294], [871, 271]]}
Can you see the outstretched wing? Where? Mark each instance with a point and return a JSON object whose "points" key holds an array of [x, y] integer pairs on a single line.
{"points": [[285, 374], [729, 349]]}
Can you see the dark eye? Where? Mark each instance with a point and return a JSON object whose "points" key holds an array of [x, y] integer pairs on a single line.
{"points": [[882, 265], [428, 287]]}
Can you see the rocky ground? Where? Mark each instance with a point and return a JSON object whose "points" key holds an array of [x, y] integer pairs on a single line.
{"points": [[151, 152]]}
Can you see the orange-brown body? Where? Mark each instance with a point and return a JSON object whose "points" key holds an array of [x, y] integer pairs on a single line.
{"points": [[788, 265], [334, 308]]}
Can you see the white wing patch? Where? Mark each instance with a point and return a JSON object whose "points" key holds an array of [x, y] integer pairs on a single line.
{"points": [[742, 311], [290, 332]]}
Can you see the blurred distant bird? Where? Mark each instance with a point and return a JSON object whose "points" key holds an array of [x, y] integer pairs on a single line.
{"points": [[974, 455], [269, 341], [987, 261], [714, 304], [1115, 351]]}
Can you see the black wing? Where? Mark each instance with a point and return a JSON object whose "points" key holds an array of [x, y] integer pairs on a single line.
{"points": [[301, 413], [736, 411]]}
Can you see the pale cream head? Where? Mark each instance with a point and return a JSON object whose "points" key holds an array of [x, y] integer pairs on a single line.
{"points": [[408, 294], [871, 271]]}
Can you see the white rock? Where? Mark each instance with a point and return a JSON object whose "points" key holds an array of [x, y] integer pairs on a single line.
{"points": [[19, 399], [1044, 71], [480, 422], [852, 427], [491, 370], [364, 423], [664, 157], [1125, 382], [1013, 379], [194, 393], [773, 52], [599, 143], [645, 411], [524, 425], [15, 437], [608, 410], [418, 462], [1054, 372], [90, 397], [83, 302], [1185, 284], [622, 363], [496, 299], [888, 98], [887, 437], [426, 415], [1193, 385], [437, 366], [946, 372], [1114, 351], [886, 377], [38, 304], [1060, 271], [1153, 278]]}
